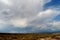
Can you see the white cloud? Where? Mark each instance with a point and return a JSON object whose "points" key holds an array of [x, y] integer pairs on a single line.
{"points": [[44, 18], [25, 13], [3, 24], [19, 22], [49, 13], [21, 9], [56, 25], [7, 2]]}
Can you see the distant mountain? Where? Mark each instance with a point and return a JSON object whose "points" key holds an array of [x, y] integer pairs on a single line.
{"points": [[47, 32], [37, 32]]}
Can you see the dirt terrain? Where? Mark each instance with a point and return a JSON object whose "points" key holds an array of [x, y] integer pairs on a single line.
{"points": [[13, 36]]}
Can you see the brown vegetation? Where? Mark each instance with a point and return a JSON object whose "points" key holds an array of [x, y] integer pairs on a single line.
{"points": [[29, 36]]}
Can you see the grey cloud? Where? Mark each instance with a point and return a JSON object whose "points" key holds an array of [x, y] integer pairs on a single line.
{"points": [[26, 9]]}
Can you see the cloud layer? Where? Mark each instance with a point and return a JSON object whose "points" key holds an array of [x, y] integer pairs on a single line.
{"points": [[25, 16]]}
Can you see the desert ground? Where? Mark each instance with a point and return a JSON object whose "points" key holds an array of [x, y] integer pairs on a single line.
{"points": [[17, 36]]}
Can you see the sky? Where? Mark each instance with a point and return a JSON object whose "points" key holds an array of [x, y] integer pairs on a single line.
{"points": [[29, 16]]}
